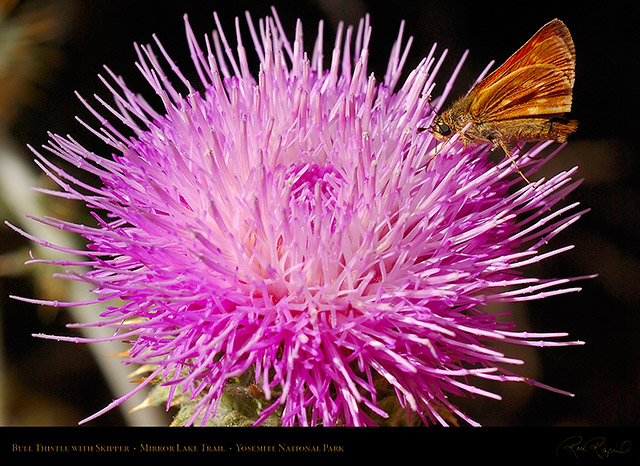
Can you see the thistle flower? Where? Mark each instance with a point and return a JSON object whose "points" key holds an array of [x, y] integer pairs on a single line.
{"points": [[292, 233]]}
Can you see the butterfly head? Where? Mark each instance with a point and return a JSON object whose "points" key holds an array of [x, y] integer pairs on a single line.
{"points": [[441, 128]]}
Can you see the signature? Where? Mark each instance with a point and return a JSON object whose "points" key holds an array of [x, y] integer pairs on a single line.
{"points": [[577, 446]]}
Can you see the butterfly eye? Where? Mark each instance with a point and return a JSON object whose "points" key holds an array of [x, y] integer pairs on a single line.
{"points": [[443, 128]]}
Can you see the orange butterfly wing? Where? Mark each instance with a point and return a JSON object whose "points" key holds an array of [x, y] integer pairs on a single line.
{"points": [[536, 80], [527, 92]]}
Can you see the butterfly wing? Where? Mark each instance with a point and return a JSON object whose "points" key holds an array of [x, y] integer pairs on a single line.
{"points": [[536, 80], [536, 90], [552, 44]]}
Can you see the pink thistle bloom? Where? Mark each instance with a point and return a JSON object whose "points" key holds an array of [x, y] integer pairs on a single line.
{"points": [[289, 225]]}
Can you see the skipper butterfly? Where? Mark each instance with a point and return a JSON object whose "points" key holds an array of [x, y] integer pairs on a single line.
{"points": [[525, 99]]}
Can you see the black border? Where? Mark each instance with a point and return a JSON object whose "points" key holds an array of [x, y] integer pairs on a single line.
{"points": [[562, 445]]}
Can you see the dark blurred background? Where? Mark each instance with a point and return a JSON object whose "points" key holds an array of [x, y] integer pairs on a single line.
{"points": [[50, 383]]}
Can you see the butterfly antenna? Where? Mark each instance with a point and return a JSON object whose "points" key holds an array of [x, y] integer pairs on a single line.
{"points": [[435, 112]]}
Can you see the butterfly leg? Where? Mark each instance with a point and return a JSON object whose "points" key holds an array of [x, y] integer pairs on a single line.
{"points": [[434, 155], [507, 151], [437, 151]]}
